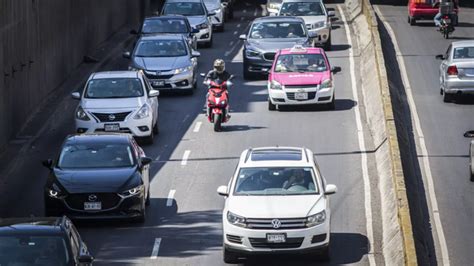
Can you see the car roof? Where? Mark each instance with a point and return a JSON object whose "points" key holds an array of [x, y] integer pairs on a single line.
{"points": [[184, 1], [123, 138], [308, 50], [276, 156], [172, 16], [462, 44], [279, 19], [32, 225], [162, 36], [115, 74], [302, 1]]}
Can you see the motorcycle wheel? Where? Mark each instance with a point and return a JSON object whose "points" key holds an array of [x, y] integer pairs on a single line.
{"points": [[217, 122], [446, 34]]}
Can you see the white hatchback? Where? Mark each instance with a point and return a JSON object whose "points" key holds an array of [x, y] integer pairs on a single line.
{"points": [[118, 101], [276, 202]]}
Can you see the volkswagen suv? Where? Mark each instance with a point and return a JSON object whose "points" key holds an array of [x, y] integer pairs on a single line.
{"points": [[276, 202]]}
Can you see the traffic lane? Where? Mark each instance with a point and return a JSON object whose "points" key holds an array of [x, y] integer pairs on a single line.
{"points": [[443, 126]]}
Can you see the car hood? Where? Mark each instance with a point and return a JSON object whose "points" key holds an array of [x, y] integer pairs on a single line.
{"points": [[212, 6], [301, 78], [162, 63], [272, 45], [112, 104], [95, 181], [313, 19], [276, 206], [196, 20]]}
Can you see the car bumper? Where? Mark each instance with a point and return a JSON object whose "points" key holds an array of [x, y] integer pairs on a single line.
{"points": [[288, 96], [425, 13], [204, 35], [323, 34], [260, 65], [458, 86], [183, 81], [138, 128]]}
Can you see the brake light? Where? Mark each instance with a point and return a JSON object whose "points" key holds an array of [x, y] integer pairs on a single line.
{"points": [[452, 71]]}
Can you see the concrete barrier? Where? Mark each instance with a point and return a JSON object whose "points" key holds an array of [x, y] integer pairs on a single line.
{"points": [[41, 42], [397, 240]]}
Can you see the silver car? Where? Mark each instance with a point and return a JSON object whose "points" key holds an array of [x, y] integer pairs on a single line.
{"points": [[456, 72], [167, 60], [216, 6], [273, 6], [471, 160]]}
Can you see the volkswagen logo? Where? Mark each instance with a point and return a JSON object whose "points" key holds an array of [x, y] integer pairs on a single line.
{"points": [[92, 197], [111, 117], [276, 223]]}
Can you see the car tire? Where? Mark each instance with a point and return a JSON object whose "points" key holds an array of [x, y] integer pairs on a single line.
{"points": [[148, 201], [156, 128], [150, 139], [325, 254], [447, 98], [328, 44], [411, 21], [247, 74], [209, 43], [230, 257], [271, 106], [332, 104]]}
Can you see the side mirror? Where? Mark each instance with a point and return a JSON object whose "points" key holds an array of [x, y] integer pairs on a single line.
{"points": [[336, 69], [202, 75], [47, 163], [224, 4], [222, 191], [312, 34], [330, 189], [243, 37], [76, 95], [134, 32], [154, 93], [127, 55], [146, 160], [331, 13], [210, 14], [85, 259], [440, 57], [195, 54], [194, 30]]}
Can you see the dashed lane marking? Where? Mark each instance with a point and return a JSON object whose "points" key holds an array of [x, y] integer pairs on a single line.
{"points": [[170, 199], [186, 154], [197, 127], [156, 249]]}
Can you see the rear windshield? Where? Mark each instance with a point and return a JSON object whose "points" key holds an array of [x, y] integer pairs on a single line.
{"points": [[300, 63], [96, 155], [164, 26], [161, 48], [463, 53], [302, 9], [271, 30], [114, 88], [185, 9], [33, 250]]}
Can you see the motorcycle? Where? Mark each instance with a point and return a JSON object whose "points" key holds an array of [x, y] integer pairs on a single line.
{"points": [[446, 26], [217, 101]]}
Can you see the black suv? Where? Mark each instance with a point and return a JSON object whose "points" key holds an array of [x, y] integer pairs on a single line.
{"points": [[41, 241]]}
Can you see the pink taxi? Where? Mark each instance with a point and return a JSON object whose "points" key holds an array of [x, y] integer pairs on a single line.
{"points": [[301, 75]]}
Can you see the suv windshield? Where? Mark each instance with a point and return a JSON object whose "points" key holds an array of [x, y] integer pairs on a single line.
{"points": [[161, 48], [114, 88], [164, 26], [276, 181], [302, 9], [184, 8], [95, 155], [300, 63], [33, 250], [273, 30]]}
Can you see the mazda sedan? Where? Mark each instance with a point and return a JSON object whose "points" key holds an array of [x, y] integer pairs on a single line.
{"points": [[98, 176]]}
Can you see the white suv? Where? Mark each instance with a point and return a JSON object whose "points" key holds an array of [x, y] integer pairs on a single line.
{"points": [[118, 101], [277, 201]]}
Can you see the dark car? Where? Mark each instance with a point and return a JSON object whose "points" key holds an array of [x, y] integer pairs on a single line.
{"points": [[174, 24], [98, 176], [42, 241]]}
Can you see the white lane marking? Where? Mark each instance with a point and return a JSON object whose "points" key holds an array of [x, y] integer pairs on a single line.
{"points": [[156, 249], [242, 18], [235, 32], [238, 58], [197, 127], [255, 12], [186, 154], [421, 139], [169, 200], [238, 25], [361, 137], [244, 11]]}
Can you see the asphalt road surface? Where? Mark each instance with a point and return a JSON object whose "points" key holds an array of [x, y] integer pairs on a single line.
{"points": [[183, 225], [443, 126]]}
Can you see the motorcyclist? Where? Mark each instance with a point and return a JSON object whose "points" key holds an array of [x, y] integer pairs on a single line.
{"points": [[218, 72], [452, 15]]}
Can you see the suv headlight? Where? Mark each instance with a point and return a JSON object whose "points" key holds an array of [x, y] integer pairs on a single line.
{"points": [[236, 220], [133, 191], [275, 85], [319, 24], [182, 70], [202, 26], [81, 114], [144, 112], [251, 53], [55, 192], [326, 84], [316, 219]]}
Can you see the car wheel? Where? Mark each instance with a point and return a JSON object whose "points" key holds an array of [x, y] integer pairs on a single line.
{"points": [[230, 257], [271, 106], [412, 21], [147, 202], [332, 104], [247, 74], [328, 44], [447, 98], [156, 128], [149, 140], [209, 43], [324, 255]]}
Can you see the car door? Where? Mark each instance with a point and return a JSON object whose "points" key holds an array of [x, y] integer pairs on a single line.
{"points": [[152, 101]]}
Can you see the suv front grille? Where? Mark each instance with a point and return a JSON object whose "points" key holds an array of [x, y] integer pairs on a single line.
{"points": [[269, 56], [112, 117], [286, 223], [291, 96], [154, 76], [308, 86], [290, 243], [108, 200]]}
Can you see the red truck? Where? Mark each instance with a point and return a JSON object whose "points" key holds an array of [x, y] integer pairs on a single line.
{"points": [[424, 9]]}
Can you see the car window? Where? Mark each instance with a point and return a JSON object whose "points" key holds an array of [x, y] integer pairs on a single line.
{"points": [[300, 63], [463, 53], [275, 181], [33, 250], [160, 48], [114, 88], [270, 30], [184, 8], [302, 9], [96, 155], [164, 26]]}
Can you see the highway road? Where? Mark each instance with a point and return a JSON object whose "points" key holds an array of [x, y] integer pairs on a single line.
{"points": [[183, 225], [449, 192]]}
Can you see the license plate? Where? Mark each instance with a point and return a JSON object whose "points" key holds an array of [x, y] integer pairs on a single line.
{"points": [[159, 83], [92, 206], [301, 96], [276, 238], [112, 127]]}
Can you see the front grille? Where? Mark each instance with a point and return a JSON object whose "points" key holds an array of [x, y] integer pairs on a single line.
{"points": [[286, 223], [234, 239], [108, 200], [111, 117], [309, 86], [269, 56], [318, 238], [154, 76], [122, 130], [290, 243], [291, 96]]}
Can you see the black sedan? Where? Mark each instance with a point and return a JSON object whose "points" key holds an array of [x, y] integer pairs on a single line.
{"points": [[98, 176]]}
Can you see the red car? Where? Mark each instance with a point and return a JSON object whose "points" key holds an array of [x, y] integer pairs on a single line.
{"points": [[424, 9]]}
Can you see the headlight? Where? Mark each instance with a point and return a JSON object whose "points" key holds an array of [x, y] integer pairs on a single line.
{"points": [[236, 220], [55, 192], [144, 112], [326, 84], [202, 26], [275, 85], [250, 53], [133, 191], [319, 24], [316, 219], [183, 69], [81, 114], [134, 68], [223, 102]]}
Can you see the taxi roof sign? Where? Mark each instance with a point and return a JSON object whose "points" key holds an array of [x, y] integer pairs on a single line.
{"points": [[298, 48]]}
